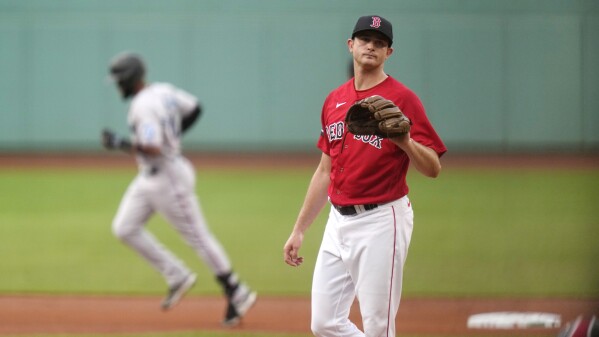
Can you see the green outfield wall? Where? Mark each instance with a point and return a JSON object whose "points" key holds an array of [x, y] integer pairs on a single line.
{"points": [[494, 75]]}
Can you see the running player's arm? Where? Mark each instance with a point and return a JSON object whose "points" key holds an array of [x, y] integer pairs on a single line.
{"points": [[189, 108], [189, 119], [112, 141], [315, 199], [148, 138], [147, 150], [132, 148]]}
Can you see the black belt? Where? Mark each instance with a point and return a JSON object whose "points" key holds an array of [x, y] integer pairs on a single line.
{"points": [[355, 209]]}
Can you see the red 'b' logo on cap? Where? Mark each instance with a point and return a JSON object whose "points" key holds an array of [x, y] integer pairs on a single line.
{"points": [[376, 22]]}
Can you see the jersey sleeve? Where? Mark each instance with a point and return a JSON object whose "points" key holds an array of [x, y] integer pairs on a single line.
{"points": [[184, 101], [145, 125], [422, 130]]}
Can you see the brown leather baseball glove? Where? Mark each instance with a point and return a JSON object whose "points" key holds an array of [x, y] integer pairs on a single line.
{"points": [[376, 115]]}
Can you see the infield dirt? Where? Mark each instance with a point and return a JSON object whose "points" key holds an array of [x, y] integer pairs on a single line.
{"points": [[41, 314]]}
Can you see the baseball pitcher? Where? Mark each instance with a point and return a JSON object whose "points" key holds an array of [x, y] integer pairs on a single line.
{"points": [[373, 129]]}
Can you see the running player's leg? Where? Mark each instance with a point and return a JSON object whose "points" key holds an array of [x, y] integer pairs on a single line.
{"points": [[129, 226], [179, 204], [332, 289], [193, 227]]}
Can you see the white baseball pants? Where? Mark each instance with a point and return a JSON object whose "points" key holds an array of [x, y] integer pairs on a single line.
{"points": [[171, 193], [361, 256]]}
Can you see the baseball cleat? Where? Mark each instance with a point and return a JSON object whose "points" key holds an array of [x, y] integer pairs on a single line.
{"points": [[175, 293], [238, 305]]}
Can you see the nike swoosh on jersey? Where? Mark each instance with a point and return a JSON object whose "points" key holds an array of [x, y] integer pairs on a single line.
{"points": [[339, 104]]}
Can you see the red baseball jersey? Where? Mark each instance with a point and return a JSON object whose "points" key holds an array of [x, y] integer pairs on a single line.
{"points": [[370, 169]]}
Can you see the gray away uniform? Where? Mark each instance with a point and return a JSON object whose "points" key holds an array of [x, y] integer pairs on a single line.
{"points": [[165, 184]]}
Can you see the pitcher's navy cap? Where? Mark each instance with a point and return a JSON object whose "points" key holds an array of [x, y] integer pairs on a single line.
{"points": [[375, 23]]}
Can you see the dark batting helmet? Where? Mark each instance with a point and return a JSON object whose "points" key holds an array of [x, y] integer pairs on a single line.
{"points": [[126, 69]]}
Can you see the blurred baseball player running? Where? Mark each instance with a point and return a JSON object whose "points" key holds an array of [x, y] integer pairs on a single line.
{"points": [[369, 227], [158, 115]]}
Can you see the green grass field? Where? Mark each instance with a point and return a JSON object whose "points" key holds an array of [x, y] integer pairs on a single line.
{"points": [[478, 232]]}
